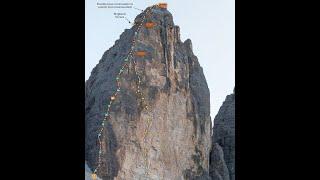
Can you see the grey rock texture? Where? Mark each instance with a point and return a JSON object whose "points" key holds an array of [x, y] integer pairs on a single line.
{"points": [[175, 88], [222, 157], [218, 167]]}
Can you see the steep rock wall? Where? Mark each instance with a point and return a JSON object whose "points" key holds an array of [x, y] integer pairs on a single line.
{"points": [[174, 87]]}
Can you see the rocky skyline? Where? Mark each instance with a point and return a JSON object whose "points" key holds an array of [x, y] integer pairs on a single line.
{"points": [[167, 79]]}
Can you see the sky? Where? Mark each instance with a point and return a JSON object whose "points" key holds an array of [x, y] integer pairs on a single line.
{"points": [[210, 24]]}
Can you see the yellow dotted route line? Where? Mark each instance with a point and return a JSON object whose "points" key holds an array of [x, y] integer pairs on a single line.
{"points": [[113, 98]]}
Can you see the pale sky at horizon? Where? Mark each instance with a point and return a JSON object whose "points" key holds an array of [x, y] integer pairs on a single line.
{"points": [[210, 24]]}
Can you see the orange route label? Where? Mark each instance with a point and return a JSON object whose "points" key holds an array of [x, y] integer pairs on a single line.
{"points": [[150, 24], [140, 53], [163, 5], [93, 176]]}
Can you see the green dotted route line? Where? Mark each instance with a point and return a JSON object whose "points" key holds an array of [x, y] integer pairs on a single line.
{"points": [[139, 92]]}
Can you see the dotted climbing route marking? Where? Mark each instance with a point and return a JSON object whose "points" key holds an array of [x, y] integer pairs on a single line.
{"points": [[139, 92], [145, 105]]}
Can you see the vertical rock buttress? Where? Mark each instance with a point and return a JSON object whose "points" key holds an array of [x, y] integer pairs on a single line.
{"points": [[175, 88], [222, 158]]}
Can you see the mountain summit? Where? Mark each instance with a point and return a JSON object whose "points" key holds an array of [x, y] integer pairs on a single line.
{"points": [[147, 109]]}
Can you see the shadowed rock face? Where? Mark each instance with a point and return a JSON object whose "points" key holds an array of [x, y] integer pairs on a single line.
{"points": [[175, 88], [222, 157]]}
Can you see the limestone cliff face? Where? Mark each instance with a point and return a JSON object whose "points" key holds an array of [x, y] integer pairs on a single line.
{"points": [[176, 91], [222, 157]]}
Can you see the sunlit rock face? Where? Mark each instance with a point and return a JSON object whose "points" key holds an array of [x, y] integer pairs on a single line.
{"points": [[179, 140]]}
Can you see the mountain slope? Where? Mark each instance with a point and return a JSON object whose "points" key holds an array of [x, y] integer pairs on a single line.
{"points": [[158, 125], [223, 142]]}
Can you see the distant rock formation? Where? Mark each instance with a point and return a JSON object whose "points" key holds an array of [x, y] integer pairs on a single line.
{"points": [[172, 80], [222, 156]]}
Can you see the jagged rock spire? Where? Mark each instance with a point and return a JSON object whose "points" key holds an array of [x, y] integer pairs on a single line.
{"points": [[174, 86]]}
